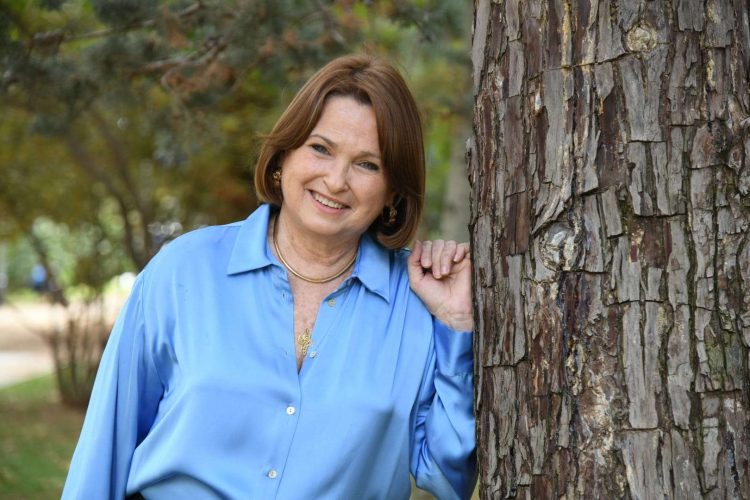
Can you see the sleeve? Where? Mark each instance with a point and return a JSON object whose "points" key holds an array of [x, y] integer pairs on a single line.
{"points": [[121, 410], [443, 459]]}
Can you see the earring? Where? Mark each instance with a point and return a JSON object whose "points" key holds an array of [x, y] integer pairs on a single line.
{"points": [[392, 213], [276, 176]]}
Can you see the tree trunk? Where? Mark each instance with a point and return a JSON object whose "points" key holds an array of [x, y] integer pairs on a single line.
{"points": [[610, 177]]}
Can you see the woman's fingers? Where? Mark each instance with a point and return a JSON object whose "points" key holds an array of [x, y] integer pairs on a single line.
{"points": [[439, 256], [461, 252], [426, 257], [446, 259]]}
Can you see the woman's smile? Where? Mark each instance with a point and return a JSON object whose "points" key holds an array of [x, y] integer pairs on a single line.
{"points": [[327, 202]]}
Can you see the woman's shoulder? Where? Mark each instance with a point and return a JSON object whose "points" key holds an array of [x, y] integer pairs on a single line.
{"points": [[218, 241], [200, 242], [202, 247]]}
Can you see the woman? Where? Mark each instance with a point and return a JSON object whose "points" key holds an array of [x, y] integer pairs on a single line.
{"points": [[300, 353]]}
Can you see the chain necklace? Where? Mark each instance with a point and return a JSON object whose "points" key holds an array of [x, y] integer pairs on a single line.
{"points": [[297, 273]]}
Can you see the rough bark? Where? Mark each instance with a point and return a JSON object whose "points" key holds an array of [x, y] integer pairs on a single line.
{"points": [[610, 174]]}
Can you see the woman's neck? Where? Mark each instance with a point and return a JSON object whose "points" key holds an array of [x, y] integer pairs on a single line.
{"points": [[314, 255]]}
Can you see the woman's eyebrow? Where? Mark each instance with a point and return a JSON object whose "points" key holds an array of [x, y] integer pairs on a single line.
{"points": [[324, 138], [333, 144]]}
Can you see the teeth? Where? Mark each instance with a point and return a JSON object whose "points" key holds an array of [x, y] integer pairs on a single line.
{"points": [[327, 202]]}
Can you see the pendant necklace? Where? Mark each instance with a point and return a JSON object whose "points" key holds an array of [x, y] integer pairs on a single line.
{"points": [[304, 340]]}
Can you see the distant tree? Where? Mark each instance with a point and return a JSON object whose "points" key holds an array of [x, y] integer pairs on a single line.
{"points": [[610, 223]]}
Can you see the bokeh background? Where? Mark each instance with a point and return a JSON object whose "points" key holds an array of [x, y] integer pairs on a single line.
{"points": [[125, 123]]}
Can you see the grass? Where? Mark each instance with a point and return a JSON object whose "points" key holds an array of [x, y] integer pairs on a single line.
{"points": [[37, 437]]}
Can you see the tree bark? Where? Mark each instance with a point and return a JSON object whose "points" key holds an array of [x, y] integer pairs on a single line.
{"points": [[610, 174]]}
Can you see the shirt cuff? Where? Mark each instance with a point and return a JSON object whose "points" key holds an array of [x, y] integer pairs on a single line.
{"points": [[453, 349]]}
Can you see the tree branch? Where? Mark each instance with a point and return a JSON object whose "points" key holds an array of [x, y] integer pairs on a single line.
{"points": [[120, 162], [119, 157], [83, 160], [208, 52], [58, 37], [56, 293]]}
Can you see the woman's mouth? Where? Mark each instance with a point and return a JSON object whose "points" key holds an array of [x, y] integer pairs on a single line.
{"points": [[327, 201]]}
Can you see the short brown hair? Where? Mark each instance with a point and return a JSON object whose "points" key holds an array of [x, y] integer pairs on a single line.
{"points": [[370, 81]]}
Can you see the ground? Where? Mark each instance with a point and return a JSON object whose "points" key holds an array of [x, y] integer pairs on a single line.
{"points": [[23, 351]]}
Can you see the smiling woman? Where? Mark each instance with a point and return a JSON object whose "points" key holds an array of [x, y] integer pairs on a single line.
{"points": [[301, 353], [333, 187]]}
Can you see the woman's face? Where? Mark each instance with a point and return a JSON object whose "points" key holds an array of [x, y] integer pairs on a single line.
{"points": [[334, 184]]}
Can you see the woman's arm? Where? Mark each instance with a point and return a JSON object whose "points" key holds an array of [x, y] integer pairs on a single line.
{"points": [[443, 447], [121, 409]]}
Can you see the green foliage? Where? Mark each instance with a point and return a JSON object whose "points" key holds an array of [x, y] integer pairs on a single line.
{"points": [[122, 13]]}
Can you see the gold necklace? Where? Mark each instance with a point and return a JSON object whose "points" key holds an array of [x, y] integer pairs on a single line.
{"points": [[298, 274]]}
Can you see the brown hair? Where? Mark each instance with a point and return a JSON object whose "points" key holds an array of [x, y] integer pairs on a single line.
{"points": [[370, 81]]}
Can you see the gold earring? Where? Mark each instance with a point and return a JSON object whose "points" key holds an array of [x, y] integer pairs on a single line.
{"points": [[276, 176], [392, 212]]}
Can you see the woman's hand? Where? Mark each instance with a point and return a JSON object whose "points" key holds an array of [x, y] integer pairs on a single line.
{"points": [[440, 274]]}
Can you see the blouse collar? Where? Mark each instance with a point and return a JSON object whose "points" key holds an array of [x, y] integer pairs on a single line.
{"points": [[251, 252]]}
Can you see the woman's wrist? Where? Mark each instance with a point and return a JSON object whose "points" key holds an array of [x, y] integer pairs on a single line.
{"points": [[458, 322]]}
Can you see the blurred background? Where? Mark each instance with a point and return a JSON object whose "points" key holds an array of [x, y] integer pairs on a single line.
{"points": [[125, 123]]}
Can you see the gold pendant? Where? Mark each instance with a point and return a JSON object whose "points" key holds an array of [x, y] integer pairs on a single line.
{"points": [[304, 340]]}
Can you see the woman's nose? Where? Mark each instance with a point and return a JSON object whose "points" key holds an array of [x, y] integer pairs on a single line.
{"points": [[336, 177]]}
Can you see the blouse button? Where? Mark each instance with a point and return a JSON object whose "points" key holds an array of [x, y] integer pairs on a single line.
{"points": [[272, 474], [313, 354], [290, 410], [331, 302]]}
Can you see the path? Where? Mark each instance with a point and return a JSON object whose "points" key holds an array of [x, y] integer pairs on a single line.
{"points": [[23, 352]]}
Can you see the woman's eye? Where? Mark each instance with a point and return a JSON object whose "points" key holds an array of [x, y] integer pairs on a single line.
{"points": [[320, 148], [368, 165]]}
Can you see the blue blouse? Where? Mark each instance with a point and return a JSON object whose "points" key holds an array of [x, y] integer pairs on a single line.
{"points": [[198, 394]]}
